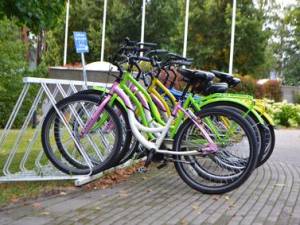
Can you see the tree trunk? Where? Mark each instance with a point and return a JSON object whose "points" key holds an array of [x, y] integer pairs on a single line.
{"points": [[25, 39]]}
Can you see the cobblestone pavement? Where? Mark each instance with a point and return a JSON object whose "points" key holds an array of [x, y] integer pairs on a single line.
{"points": [[270, 196]]}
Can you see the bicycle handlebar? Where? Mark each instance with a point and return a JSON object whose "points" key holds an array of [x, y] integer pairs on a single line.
{"points": [[136, 43]]}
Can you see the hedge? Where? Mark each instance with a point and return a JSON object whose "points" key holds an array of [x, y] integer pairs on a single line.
{"points": [[271, 89]]}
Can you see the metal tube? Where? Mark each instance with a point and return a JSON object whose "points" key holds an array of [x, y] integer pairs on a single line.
{"points": [[34, 138], [66, 32], [84, 71], [37, 80], [186, 25], [21, 133], [232, 36], [81, 123], [84, 154], [14, 114], [103, 31], [143, 24]]}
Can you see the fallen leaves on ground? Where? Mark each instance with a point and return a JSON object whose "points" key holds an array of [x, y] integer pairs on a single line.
{"points": [[37, 205], [114, 177], [196, 208], [184, 222], [44, 213], [14, 199], [123, 194]]}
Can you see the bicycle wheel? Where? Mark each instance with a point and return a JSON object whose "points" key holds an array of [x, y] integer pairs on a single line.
{"points": [[100, 145], [259, 129], [202, 172], [127, 140], [269, 144], [258, 132]]}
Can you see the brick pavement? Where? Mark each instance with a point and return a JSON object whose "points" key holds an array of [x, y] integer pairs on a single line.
{"points": [[270, 196]]}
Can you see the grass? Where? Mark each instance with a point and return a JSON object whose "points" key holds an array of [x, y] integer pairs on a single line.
{"points": [[17, 191], [14, 192]]}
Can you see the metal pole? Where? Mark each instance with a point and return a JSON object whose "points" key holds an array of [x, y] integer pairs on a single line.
{"points": [[232, 36], [186, 25], [103, 31], [84, 71], [143, 23], [66, 32]]}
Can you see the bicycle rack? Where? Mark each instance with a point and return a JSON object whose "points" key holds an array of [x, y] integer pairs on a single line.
{"points": [[26, 151]]}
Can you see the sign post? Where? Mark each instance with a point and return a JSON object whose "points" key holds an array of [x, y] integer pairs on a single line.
{"points": [[81, 45]]}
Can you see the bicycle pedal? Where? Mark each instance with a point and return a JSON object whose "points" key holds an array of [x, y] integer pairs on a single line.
{"points": [[162, 165], [142, 170]]}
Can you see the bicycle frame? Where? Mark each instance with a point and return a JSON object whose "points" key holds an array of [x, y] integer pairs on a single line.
{"points": [[137, 127], [146, 107], [247, 102]]}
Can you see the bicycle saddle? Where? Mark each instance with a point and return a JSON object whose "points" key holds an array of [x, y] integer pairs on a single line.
{"points": [[216, 88], [226, 77], [196, 75], [235, 81]]}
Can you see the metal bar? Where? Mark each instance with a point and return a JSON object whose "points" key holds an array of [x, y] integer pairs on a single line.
{"points": [[103, 31], [81, 123], [48, 171], [36, 80], [14, 114], [186, 25], [73, 88], [66, 32], [232, 37], [84, 71], [143, 23], [40, 155], [39, 178], [69, 91], [86, 158], [32, 141], [21, 133]]}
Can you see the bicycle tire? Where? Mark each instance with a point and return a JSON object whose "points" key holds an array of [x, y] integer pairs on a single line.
{"points": [[52, 114], [126, 140], [252, 161]]}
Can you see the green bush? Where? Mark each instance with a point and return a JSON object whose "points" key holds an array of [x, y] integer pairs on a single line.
{"points": [[285, 114], [270, 89], [13, 67]]}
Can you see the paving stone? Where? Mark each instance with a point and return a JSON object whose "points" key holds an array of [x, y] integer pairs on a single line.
{"points": [[29, 220], [270, 196]]}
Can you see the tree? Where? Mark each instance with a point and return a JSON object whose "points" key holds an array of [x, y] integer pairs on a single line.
{"points": [[123, 20], [36, 15], [292, 51], [12, 66], [210, 29]]}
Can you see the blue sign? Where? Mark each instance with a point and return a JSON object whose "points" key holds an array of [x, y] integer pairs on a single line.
{"points": [[81, 42]]}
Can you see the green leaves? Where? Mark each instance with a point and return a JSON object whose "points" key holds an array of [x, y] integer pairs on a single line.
{"points": [[209, 38], [36, 15], [286, 114]]}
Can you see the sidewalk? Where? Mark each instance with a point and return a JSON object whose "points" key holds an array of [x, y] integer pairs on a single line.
{"points": [[270, 196]]}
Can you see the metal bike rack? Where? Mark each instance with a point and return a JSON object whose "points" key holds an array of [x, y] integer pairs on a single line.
{"points": [[31, 164]]}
